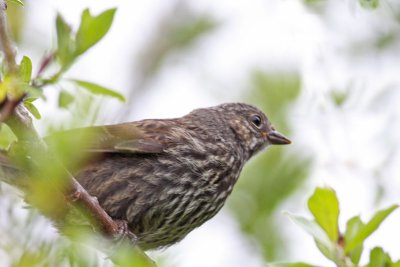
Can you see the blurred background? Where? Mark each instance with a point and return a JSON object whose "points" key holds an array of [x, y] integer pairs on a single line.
{"points": [[326, 73]]}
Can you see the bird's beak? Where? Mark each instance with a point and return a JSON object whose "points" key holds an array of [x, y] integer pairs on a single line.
{"points": [[277, 138]]}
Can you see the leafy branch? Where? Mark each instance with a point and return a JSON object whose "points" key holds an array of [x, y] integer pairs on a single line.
{"points": [[344, 249], [18, 91]]}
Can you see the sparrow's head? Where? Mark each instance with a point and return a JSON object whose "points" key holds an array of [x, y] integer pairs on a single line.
{"points": [[250, 126]]}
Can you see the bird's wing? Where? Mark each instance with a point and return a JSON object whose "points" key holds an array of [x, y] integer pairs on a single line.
{"points": [[118, 138]]}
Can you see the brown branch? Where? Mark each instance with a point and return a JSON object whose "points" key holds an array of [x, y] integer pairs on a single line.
{"points": [[7, 108]]}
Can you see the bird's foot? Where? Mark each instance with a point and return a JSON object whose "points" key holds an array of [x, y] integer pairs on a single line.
{"points": [[124, 234]]}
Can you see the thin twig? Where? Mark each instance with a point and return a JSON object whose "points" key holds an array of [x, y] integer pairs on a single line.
{"points": [[7, 108], [5, 40]]}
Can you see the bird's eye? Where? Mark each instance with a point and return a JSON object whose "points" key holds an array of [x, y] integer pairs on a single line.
{"points": [[256, 120]]}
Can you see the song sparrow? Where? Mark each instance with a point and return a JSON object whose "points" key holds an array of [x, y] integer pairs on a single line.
{"points": [[166, 177]]}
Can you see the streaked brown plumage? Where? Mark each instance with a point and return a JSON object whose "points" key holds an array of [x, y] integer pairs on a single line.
{"points": [[167, 177]]}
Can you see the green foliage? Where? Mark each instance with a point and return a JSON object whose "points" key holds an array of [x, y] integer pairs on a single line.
{"points": [[69, 47], [7, 137], [47, 181], [65, 43], [379, 258], [295, 264], [326, 246], [92, 29], [99, 90], [365, 230], [369, 4], [32, 108], [353, 227], [179, 30], [344, 250], [25, 70], [18, 2], [65, 99], [324, 205], [271, 177]]}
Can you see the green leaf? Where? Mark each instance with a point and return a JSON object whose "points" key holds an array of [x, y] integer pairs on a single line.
{"points": [[99, 90], [65, 43], [92, 29], [25, 69], [35, 92], [287, 264], [18, 2], [32, 109], [369, 4], [65, 99], [378, 258], [367, 229], [326, 246], [6, 136], [353, 226], [324, 205]]}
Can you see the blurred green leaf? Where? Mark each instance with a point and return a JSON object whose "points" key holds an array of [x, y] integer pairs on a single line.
{"points": [[339, 97], [353, 226], [186, 33], [65, 99], [25, 69], [32, 109], [35, 92], [313, 2], [378, 258], [273, 175], [326, 246], [367, 229], [92, 29], [125, 256], [16, 21], [273, 92], [6, 136], [369, 4], [179, 30], [65, 43], [19, 2], [98, 89], [294, 264], [324, 205]]}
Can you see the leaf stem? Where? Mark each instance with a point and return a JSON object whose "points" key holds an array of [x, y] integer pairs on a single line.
{"points": [[5, 40]]}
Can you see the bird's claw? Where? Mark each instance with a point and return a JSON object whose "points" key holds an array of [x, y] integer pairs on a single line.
{"points": [[124, 233]]}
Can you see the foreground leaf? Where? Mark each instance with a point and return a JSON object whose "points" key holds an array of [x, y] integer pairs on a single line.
{"points": [[98, 89], [65, 43], [294, 264], [367, 229], [353, 226], [369, 4], [65, 99], [378, 258], [326, 246], [32, 109], [324, 205], [92, 29], [18, 2], [25, 69]]}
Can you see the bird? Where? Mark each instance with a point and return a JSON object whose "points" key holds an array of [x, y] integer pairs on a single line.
{"points": [[166, 177]]}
